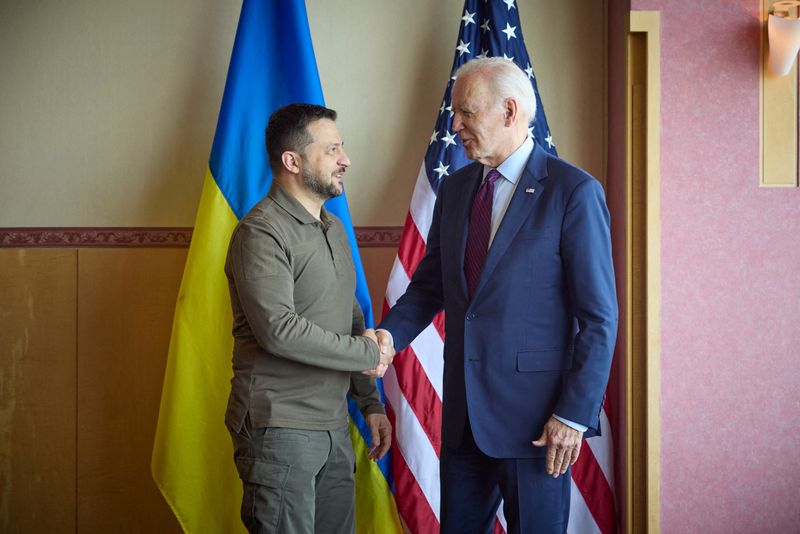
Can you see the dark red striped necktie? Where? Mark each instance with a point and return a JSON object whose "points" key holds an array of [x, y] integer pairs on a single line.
{"points": [[480, 226]]}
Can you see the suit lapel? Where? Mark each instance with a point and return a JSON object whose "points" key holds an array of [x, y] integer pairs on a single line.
{"points": [[528, 190]]}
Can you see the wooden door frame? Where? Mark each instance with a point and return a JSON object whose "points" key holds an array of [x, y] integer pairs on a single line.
{"points": [[643, 273]]}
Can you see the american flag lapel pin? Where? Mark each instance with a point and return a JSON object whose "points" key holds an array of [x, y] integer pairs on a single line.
{"points": [[530, 191]]}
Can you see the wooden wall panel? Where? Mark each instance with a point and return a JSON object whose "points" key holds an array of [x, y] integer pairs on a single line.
{"points": [[125, 308], [37, 390], [82, 356]]}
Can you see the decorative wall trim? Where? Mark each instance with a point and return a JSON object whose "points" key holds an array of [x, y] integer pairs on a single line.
{"points": [[141, 237], [95, 237], [378, 236]]}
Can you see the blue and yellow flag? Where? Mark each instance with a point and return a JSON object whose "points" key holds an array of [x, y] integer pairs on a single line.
{"points": [[272, 64]]}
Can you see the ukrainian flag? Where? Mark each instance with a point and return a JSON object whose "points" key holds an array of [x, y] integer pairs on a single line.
{"points": [[272, 64]]}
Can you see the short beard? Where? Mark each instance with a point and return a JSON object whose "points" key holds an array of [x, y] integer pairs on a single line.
{"points": [[320, 188]]}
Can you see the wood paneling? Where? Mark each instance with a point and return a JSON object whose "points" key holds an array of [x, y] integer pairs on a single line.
{"points": [[126, 299], [37, 390], [82, 355]]}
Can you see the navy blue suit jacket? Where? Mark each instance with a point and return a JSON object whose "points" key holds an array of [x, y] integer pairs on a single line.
{"points": [[538, 336]]}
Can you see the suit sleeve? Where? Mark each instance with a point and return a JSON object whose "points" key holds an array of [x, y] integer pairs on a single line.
{"points": [[424, 296], [264, 286], [588, 265]]}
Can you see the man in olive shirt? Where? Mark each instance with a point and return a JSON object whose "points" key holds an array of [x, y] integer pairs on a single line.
{"points": [[298, 343]]}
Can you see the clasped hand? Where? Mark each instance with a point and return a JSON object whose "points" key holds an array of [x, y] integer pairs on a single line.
{"points": [[384, 343]]}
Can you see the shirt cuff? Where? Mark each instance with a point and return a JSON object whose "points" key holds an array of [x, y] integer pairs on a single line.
{"points": [[376, 407], [572, 424]]}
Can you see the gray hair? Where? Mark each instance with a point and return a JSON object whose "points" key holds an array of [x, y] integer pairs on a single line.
{"points": [[506, 80]]}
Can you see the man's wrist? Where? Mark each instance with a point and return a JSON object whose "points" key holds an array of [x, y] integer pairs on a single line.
{"points": [[572, 424]]}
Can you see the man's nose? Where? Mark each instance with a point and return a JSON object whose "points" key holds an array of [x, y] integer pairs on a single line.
{"points": [[344, 160], [457, 124]]}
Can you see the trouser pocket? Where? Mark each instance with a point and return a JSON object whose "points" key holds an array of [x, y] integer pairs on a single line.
{"points": [[262, 503]]}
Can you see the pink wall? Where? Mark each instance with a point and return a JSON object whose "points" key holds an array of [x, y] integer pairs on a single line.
{"points": [[730, 259]]}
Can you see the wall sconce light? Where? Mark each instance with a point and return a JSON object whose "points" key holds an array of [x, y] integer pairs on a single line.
{"points": [[780, 41], [783, 29]]}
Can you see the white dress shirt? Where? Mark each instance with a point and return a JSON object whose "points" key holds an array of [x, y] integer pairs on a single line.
{"points": [[510, 172]]}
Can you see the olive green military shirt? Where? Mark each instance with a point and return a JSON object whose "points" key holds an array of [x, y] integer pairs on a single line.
{"points": [[296, 322]]}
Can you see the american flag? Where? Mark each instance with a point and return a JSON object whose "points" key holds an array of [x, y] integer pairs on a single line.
{"points": [[413, 385]]}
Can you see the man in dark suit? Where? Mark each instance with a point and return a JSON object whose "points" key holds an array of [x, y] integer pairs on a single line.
{"points": [[519, 257]]}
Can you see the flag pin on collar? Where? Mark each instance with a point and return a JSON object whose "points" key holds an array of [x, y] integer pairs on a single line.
{"points": [[530, 190]]}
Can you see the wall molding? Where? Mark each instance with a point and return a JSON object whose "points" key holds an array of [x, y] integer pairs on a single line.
{"points": [[378, 236], [151, 237], [82, 237]]}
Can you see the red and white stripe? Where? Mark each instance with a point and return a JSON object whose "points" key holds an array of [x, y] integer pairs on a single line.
{"points": [[413, 387]]}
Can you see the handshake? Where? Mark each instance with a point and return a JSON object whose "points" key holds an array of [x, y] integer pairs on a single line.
{"points": [[384, 342]]}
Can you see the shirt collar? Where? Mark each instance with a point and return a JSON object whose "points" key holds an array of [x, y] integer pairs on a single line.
{"points": [[293, 207], [514, 165]]}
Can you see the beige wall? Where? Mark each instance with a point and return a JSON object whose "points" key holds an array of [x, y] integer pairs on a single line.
{"points": [[108, 109]]}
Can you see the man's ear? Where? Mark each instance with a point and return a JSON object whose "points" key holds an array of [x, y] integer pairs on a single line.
{"points": [[511, 111], [291, 161]]}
